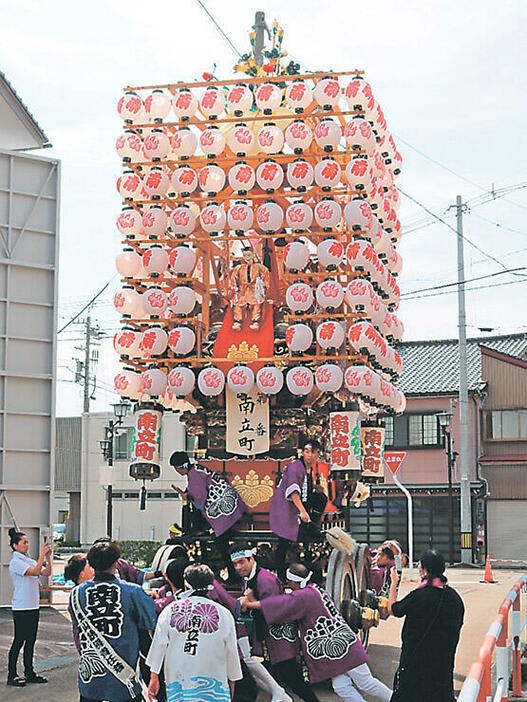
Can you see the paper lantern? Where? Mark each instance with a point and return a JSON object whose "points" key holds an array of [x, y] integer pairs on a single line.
{"points": [[184, 103], [126, 301], [212, 141], [327, 173], [155, 221], [155, 260], [154, 341], [328, 214], [358, 216], [182, 259], [213, 218], [211, 381], [211, 179], [300, 174], [361, 256], [400, 402], [384, 247], [358, 94], [375, 231], [128, 384], [359, 380], [330, 335], [155, 145], [298, 95], [327, 92], [358, 294], [269, 176], [296, 256], [157, 106], [397, 164], [329, 377], [184, 180], [130, 107], [330, 253], [378, 165], [299, 297], [182, 220], [397, 327], [240, 139], [299, 380], [181, 340], [270, 139], [181, 381], [359, 175], [156, 182], [128, 263], [298, 136], [378, 119], [395, 264], [395, 198], [268, 97], [299, 216], [328, 134], [240, 379], [212, 103], [181, 300], [154, 382], [364, 338], [359, 135], [130, 185], [376, 196], [299, 337], [127, 342], [242, 177], [330, 294], [129, 147], [269, 217], [182, 144], [130, 223], [239, 99], [154, 301], [240, 217], [269, 380]]}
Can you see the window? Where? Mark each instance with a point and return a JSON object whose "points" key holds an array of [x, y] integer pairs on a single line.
{"points": [[131, 495], [154, 495], [506, 424], [122, 444], [170, 495], [117, 495], [388, 431], [412, 430]]}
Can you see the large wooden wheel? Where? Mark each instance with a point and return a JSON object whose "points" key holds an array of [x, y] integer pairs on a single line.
{"points": [[362, 568]]}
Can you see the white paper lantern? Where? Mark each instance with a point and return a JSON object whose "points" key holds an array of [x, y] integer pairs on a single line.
{"points": [[298, 136], [268, 97], [330, 294], [330, 253], [328, 213], [155, 145], [299, 216], [270, 139], [299, 337], [359, 135], [327, 173], [155, 221], [127, 342], [182, 144], [358, 93], [329, 377], [182, 259], [269, 176], [184, 180], [130, 185], [156, 182], [242, 177], [240, 139], [211, 381], [212, 103], [360, 380], [240, 379], [154, 301], [359, 175], [154, 342], [328, 134], [128, 384], [157, 105], [181, 381], [182, 300], [130, 223], [384, 247], [330, 335], [128, 263], [129, 147], [361, 256], [400, 402], [184, 103], [211, 178], [269, 380], [212, 141], [154, 382], [376, 196], [327, 92], [126, 301], [298, 95], [182, 220], [375, 231], [379, 167], [358, 215], [300, 380], [155, 260], [239, 99], [213, 218], [299, 297], [269, 217], [296, 256], [359, 293], [181, 340], [130, 107], [300, 174], [240, 217]]}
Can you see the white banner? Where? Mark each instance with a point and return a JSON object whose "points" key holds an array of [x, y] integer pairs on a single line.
{"points": [[247, 423], [345, 440]]}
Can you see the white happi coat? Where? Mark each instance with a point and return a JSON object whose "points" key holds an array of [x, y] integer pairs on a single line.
{"points": [[196, 639]]}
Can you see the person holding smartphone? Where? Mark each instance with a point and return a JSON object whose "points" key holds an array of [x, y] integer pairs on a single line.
{"points": [[25, 573]]}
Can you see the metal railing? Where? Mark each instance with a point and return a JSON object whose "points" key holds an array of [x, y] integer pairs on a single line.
{"points": [[505, 650]]}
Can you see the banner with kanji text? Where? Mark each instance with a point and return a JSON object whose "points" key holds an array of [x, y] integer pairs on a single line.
{"points": [[345, 440], [372, 443]]}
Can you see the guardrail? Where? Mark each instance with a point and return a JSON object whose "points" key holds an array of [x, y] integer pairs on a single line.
{"points": [[506, 651]]}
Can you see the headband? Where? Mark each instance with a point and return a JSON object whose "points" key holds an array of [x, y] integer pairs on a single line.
{"points": [[245, 553], [191, 590], [297, 579], [175, 530]]}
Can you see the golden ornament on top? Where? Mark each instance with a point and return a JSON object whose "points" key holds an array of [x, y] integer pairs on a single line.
{"points": [[242, 352], [252, 491]]}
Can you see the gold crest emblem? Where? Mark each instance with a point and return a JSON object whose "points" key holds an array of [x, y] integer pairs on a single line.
{"points": [[243, 352], [252, 491]]}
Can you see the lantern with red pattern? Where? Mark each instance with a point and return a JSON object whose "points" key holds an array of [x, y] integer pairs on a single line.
{"points": [[330, 335], [212, 141], [212, 102], [154, 382], [182, 220], [130, 185], [128, 263], [156, 182], [182, 144], [184, 180], [359, 135], [360, 380], [240, 379], [181, 300], [184, 103], [211, 179], [329, 377], [359, 175], [213, 218], [240, 139], [240, 217], [330, 294], [358, 93], [128, 384], [155, 145], [181, 381], [211, 381], [129, 147], [298, 136], [299, 337], [299, 297], [296, 256], [130, 107], [269, 176], [127, 342], [358, 215], [242, 177], [328, 134], [330, 253], [300, 380], [269, 217], [239, 99], [358, 294], [182, 259], [298, 95], [270, 139], [154, 301], [327, 173], [154, 342], [269, 380], [299, 216], [157, 106], [155, 221], [181, 340], [127, 301], [155, 260], [268, 97], [300, 174], [130, 222], [327, 92], [328, 214]]}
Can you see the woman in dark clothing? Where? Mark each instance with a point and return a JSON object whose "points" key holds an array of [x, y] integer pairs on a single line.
{"points": [[434, 617]]}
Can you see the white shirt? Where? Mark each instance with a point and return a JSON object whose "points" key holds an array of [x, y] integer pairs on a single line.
{"points": [[26, 593]]}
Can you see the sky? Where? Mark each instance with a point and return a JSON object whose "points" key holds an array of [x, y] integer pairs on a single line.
{"points": [[448, 75]]}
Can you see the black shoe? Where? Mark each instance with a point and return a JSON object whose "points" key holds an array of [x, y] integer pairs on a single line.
{"points": [[36, 679], [16, 682]]}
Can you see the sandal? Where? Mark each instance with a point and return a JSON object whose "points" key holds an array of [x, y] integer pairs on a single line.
{"points": [[36, 679], [16, 682]]}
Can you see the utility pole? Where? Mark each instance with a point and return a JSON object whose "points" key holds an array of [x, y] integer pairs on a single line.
{"points": [[83, 374], [260, 27], [464, 447], [86, 404]]}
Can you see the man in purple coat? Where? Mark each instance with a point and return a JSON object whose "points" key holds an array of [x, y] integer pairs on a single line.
{"points": [[331, 649]]}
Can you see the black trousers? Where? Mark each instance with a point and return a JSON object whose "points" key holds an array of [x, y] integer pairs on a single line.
{"points": [[89, 699], [26, 627], [222, 544], [289, 674]]}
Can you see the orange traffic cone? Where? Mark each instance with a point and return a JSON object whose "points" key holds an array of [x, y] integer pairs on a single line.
{"points": [[488, 577]]}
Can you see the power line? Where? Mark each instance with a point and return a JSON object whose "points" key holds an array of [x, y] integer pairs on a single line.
{"points": [[87, 305], [463, 282], [501, 226], [220, 30], [478, 287]]}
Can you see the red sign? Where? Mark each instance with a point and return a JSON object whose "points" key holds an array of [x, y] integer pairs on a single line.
{"points": [[393, 460]]}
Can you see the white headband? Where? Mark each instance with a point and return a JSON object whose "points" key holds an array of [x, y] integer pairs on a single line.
{"points": [[297, 579], [246, 553], [190, 590]]}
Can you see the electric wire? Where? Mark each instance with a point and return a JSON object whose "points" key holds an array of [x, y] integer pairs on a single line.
{"points": [[86, 305], [478, 287], [463, 282], [220, 30]]}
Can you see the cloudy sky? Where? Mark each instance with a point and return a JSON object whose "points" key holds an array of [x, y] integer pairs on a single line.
{"points": [[449, 76]]}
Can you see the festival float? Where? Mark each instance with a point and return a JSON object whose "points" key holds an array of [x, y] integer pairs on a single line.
{"points": [[259, 287]]}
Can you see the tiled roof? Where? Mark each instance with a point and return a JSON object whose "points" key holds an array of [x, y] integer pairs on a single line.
{"points": [[18, 105], [432, 367]]}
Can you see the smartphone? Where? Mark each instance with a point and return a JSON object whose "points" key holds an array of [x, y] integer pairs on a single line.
{"points": [[398, 562]]}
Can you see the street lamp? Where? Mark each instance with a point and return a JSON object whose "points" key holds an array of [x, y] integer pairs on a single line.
{"points": [[445, 422], [120, 410]]}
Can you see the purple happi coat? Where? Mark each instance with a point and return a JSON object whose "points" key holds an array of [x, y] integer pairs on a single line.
{"points": [[283, 515], [380, 578], [220, 595], [217, 500], [129, 572], [329, 646], [281, 639]]}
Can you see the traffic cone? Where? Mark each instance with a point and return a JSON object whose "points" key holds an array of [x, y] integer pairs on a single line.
{"points": [[488, 577]]}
